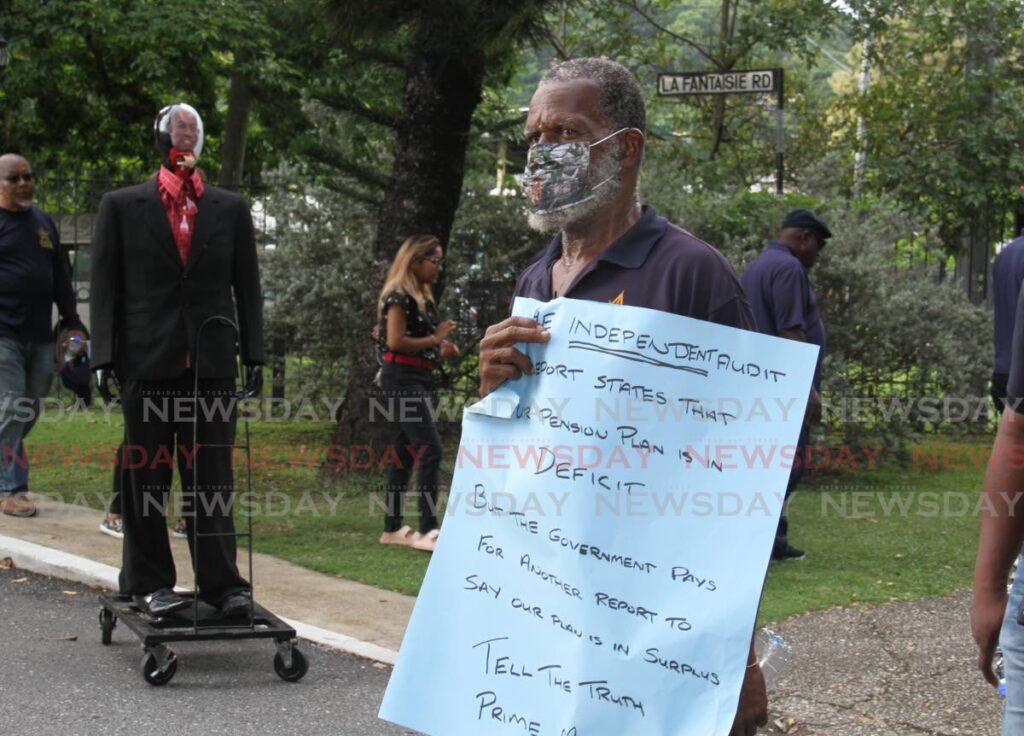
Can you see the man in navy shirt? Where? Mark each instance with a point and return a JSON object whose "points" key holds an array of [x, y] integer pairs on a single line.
{"points": [[34, 275], [585, 129], [1007, 275], [784, 305], [995, 615]]}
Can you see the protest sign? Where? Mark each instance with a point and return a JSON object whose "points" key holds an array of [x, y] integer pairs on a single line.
{"points": [[607, 532]]}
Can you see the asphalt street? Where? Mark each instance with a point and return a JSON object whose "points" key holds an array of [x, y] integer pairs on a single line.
{"points": [[56, 677]]}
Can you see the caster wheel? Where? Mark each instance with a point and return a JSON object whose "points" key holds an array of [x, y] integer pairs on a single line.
{"points": [[107, 623], [153, 673], [298, 670]]}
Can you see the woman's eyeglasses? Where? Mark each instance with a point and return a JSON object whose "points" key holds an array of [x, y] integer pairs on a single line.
{"points": [[436, 260]]}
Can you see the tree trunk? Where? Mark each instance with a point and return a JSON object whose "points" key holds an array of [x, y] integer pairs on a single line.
{"points": [[236, 129], [422, 197]]}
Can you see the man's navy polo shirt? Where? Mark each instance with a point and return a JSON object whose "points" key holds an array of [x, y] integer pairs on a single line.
{"points": [[34, 275], [777, 286], [1015, 382], [656, 265], [1007, 274]]}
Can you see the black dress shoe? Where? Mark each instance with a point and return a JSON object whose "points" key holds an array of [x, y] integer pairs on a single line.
{"points": [[161, 602], [235, 604]]}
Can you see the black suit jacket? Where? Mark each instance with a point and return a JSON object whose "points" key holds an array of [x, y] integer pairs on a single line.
{"points": [[146, 307]]}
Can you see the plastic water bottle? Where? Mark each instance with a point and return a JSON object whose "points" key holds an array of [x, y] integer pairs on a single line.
{"points": [[998, 667], [73, 349], [773, 654]]}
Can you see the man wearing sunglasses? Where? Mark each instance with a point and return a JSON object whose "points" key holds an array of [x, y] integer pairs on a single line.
{"points": [[34, 274]]}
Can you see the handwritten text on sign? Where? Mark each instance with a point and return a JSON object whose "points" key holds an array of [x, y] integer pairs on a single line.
{"points": [[602, 556]]}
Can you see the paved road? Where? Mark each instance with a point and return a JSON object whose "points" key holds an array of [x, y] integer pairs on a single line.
{"points": [[57, 678]]}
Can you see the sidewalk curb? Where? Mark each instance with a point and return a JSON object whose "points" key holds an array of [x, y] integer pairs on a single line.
{"points": [[58, 564]]}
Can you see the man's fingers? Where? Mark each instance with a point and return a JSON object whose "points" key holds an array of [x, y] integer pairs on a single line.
{"points": [[510, 356], [513, 334], [499, 360], [513, 330]]}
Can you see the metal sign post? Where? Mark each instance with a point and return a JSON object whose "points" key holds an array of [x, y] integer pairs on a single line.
{"points": [[752, 81]]}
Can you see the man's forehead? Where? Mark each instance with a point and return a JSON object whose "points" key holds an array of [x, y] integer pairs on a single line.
{"points": [[575, 99], [13, 162], [181, 115]]}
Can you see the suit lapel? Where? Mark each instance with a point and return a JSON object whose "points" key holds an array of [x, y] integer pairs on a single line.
{"points": [[156, 218], [206, 219]]}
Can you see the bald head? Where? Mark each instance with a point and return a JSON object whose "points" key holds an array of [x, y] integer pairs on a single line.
{"points": [[17, 184]]}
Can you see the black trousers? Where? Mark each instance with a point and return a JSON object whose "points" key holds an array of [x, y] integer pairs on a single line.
{"points": [[782, 531], [158, 434], [406, 391], [999, 381]]}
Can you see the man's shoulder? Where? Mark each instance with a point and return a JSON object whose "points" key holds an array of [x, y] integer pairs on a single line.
{"points": [[43, 217], [775, 261], [679, 244], [132, 192], [212, 193]]}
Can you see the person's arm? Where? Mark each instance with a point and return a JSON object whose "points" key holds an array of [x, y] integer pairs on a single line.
{"points": [[752, 709], [105, 287], [1002, 532], [63, 294], [245, 282], [399, 342]]}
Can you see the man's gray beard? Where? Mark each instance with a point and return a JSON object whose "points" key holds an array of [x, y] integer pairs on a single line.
{"points": [[580, 214]]}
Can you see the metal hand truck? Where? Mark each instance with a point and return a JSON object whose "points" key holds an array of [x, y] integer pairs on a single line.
{"points": [[201, 622]]}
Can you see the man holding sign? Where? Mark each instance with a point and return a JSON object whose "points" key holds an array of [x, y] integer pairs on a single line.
{"points": [[585, 129], [617, 490]]}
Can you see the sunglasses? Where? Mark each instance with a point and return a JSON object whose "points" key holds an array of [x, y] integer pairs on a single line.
{"points": [[15, 178]]}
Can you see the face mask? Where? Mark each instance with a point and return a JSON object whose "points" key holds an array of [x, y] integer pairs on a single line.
{"points": [[556, 173]]}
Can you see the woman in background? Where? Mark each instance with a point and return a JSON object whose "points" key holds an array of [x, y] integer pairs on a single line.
{"points": [[414, 340]]}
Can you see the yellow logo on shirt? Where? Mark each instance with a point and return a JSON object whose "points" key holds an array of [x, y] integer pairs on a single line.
{"points": [[44, 239], [620, 299]]}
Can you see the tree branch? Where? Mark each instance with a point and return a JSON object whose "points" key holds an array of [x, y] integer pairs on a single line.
{"points": [[335, 160], [560, 48], [376, 55], [732, 22], [633, 5], [503, 125], [353, 105], [351, 192]]}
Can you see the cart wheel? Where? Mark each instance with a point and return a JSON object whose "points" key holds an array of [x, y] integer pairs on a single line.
{"points": [[107, 623], [298, 670], [153, 673]]}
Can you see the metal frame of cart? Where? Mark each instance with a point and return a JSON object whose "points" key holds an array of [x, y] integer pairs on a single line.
{"points": [[197, 623]]}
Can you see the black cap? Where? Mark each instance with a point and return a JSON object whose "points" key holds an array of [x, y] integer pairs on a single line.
{"points": [[807, 220]]}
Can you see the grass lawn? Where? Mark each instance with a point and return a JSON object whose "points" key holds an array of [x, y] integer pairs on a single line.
{"points": [[871, 535]]}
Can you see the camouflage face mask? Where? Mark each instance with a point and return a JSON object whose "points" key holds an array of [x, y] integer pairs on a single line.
{"points": [[555, 177]]}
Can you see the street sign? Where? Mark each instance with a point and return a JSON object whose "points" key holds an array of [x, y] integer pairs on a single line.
{"points": [[758, 81], [750, 81]]}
